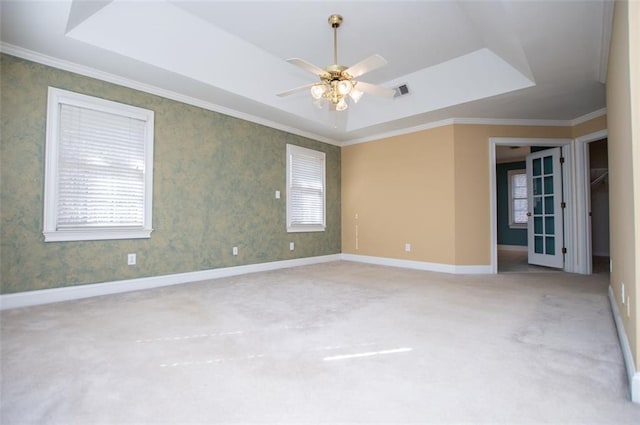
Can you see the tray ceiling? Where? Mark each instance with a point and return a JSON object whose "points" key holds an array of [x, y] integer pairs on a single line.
{"points": [[515, 60]]}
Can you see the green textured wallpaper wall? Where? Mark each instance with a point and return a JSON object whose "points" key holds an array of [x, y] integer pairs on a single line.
{"points": [[214, 183]]}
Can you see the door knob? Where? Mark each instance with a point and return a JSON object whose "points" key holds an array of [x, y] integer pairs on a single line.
{"points": [[528, 214]]}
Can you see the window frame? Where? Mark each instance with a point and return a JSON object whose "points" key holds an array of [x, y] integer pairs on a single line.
{"points": [[56, 98], [510, 175], [293, 150]]}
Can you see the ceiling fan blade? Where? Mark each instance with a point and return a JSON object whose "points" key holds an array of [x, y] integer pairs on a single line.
{"points": [[375, 90], [296, 90], [307, 66], [366, 65]]}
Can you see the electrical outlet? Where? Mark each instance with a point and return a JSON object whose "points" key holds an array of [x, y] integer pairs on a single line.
{"points": [[131, 259], [292, 246], [235, 250], [277, 194], [407, 247]]}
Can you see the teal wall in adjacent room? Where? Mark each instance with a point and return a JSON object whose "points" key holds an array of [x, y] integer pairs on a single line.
{"points": [[506, 235], [214, 183]]}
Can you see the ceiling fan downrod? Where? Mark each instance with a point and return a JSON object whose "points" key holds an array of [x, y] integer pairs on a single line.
{"points": [[335, 21]]}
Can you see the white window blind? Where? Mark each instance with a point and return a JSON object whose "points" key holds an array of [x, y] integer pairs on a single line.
{"points": [[98, 179], [101, 169], [305, 189], [518, 198]]}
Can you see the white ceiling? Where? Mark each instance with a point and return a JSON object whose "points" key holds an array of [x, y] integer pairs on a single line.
{"points": [[503, 60]]}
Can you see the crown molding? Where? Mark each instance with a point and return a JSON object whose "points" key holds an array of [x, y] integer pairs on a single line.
{"points": [[481, 121], [147, 88], [605, 41], [588, 117], [408, 130]]}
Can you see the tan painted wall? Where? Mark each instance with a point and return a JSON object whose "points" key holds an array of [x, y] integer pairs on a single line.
{"points": [[591, 126], [430, 189], [402, 190], [473, 189], [634, 71], [624, 165]]}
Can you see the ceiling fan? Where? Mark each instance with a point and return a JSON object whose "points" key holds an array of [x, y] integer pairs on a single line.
{"points": [[338, 81]]}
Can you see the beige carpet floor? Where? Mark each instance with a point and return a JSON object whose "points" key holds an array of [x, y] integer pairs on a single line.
{"points": [[333, 343]]}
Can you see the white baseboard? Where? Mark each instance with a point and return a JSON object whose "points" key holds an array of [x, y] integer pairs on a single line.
{"points": [[418, 265], [46, 296], [521, 248], [67, 293], [632, 374]]}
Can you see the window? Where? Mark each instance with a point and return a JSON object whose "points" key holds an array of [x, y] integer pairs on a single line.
{"points": [[305, 190], [517, 198], [99, 171]]}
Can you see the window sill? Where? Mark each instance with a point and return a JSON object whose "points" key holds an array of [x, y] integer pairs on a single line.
{"points": [[95, 235], [518, 226], [300, 229]]}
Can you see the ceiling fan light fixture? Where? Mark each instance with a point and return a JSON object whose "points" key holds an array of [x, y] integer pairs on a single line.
{"points": [[318, 90], [344, 87], [355, 95], [339, 81], [341, 105]]}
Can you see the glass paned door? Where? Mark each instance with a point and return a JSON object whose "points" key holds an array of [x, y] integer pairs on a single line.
{"points": [[545, 223]]}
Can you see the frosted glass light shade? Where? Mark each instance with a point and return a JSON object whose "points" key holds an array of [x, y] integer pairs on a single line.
{"points": [[317, 90], [356, 95], [344, 87], [342, 105]]}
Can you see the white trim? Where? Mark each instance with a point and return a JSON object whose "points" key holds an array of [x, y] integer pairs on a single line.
{"points": [[68, 293], [592, 137], [418, 265], [583, 200], [46, 296], [57, 97], [95, 234], [480, 121], [520, 141], [570, 212], [588, 117], [147, 88], [607, 24], [168, 94], [294, 151], [400, 132], [633, 375], [514, 121], [520, 248]]}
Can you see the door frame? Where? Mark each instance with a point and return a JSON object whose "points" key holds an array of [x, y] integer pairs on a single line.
{"points": [[568, 185], [583, 198]]}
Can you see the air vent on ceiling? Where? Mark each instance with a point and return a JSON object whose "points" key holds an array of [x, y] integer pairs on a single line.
{"points": [[401, 91]]}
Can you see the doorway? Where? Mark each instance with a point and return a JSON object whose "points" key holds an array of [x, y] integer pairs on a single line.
{"points": [[584, 218], [514, 248], [529, 200], [599, 204]]}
